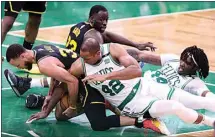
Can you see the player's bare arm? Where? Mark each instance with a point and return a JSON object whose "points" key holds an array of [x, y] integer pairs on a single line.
{"points": [[132, 68], [115, 38], [145, 56], [52, 67]]}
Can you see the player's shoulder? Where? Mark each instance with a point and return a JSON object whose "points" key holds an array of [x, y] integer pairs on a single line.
{"points": [[81, 25], [169, 58], [195, 80]]}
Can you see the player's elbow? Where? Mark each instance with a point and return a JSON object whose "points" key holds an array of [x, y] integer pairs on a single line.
{"points": [[138, 71], [72, 80]]}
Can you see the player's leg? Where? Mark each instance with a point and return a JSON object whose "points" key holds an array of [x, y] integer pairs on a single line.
{"points": [[163, 91], [22, 84], [12, 9], [207, 94], [35, 10], [193, 101], [170, 107], [95, 111]]}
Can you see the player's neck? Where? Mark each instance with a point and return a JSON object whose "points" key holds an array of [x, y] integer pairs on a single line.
{"points": [[31, 56]]}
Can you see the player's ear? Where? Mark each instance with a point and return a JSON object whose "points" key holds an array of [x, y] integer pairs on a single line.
{"points": [[98, 53], [22, 56]]}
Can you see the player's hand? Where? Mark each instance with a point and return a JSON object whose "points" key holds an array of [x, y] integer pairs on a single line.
{"points": [[70, 112], [146, 46], [46, 102], [37, 116], [94, 78]]}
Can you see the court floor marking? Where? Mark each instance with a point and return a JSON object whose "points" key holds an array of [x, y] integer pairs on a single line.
{"points": [[33, 133], [194, 132], [13, 33], [166, 14], [12, 135], [6, 88], [210, 84], [129, 18]]}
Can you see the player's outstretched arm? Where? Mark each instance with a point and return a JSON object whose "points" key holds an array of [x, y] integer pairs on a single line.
{"points": [[115, 38], [145, 56]]}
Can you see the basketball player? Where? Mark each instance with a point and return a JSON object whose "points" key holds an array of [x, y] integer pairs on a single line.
{"points": [[12, 9], [55, 62], [95, 28], [117, 76], [180, 72], [35, 10]]}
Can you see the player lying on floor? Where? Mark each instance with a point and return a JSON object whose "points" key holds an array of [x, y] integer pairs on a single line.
{"points": [[55, 62], [102, 68], [183, 72]]}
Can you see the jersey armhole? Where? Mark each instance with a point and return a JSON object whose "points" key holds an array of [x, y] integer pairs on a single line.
{"points": [[83, 66], [42, 58], [112, 59]]}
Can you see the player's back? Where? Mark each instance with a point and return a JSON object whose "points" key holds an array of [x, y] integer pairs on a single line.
{"points": [[67, 57], [76, 36]]}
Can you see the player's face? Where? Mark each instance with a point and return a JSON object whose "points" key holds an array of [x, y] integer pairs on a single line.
{"points": [[90, 58], [100, 21], [187, 66], [21, 63]]}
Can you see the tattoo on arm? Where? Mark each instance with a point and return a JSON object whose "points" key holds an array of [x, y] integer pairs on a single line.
{"points": [[133, 53]]}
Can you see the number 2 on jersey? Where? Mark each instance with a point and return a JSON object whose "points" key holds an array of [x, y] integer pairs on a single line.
{"points": [[71, 44], [115, 86]]}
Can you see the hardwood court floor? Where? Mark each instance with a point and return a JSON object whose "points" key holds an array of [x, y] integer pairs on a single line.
{"points": [[169, 32]]}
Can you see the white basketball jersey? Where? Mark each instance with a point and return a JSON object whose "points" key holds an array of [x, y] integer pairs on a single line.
{"points": [[115, 91], [168, 74]]}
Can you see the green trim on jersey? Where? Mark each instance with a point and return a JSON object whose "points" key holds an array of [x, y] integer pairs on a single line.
{"points": [[147, 108], [169, 96], [83, 66], [185, 84], [130, 96], [108, 48]]}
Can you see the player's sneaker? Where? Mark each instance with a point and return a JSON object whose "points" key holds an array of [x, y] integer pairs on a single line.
{"points": [[19, 84], [156, 125], [34, 101]]}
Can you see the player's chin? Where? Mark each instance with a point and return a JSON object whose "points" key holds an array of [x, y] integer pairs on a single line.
{"points": [[102, 30]]}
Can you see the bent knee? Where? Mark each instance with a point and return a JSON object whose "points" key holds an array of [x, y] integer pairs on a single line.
{"points": [[99, 125], [177, 106]]}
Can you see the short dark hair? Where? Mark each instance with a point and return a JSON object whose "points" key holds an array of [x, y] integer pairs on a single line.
{"points": [[90, 45], [14, 51], [200, 58], [96, 9]]}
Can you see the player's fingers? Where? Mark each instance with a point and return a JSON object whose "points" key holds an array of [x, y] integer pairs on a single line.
{"points": [[32, 117], [86, 79], [44, 107]]}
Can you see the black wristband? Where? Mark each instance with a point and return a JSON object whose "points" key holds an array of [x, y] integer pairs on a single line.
{"points": [[138, 124]]}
